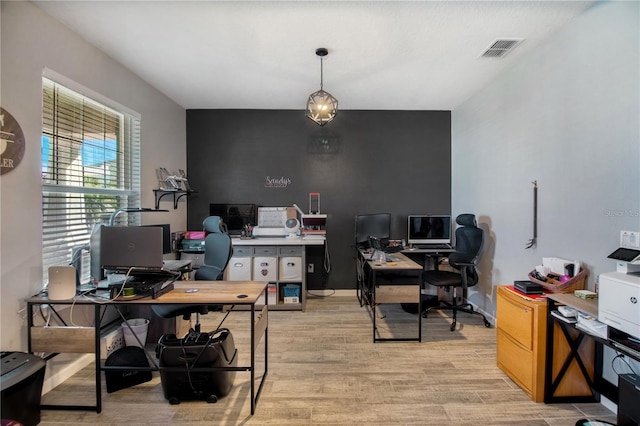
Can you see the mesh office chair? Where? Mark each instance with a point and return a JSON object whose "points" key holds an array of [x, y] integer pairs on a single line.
{"points": [[217, 250], [217, 253], [468, 242]]}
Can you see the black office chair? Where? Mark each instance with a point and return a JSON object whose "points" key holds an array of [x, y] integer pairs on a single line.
{"points": [[468, 242], [217, 253]]}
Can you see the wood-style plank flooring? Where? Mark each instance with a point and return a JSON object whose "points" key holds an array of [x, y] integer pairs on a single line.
{"points": [[325, 370]]}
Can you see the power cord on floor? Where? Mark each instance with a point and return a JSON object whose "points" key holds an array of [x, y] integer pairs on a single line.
{"points": [[333, 290]]}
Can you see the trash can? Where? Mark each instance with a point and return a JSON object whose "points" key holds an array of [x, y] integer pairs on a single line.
{"points": [[139, 327], [21, 379]]}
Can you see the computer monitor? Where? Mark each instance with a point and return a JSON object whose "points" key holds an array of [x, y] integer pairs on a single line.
{"points": [[166, 237], [428, 229], [235, 216], [377, 225]]}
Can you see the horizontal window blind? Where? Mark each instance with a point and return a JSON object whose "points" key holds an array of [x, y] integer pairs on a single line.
{"points": [[90, 168]]}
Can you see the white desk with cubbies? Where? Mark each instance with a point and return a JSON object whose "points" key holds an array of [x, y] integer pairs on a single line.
{"points": [[279, 260]]}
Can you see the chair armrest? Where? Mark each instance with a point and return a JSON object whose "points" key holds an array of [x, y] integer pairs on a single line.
{"points": [[465, 269]]}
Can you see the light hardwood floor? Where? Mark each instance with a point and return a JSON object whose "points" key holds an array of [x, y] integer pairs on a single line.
{"points": [[324, 369]]}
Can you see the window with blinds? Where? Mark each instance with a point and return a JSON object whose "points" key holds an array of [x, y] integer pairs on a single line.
{"points": [[90, 168]]}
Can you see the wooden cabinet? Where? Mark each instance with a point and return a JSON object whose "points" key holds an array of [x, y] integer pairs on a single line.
{"points": [[521, 324]]}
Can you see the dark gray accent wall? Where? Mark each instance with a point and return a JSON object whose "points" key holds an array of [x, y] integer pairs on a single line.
{"points": [[396, 162]]}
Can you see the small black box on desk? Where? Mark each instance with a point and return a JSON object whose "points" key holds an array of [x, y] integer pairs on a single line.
{"points": [[527, 287]]}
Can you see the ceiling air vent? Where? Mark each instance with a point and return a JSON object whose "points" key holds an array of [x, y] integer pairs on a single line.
{"points": [[500, 47]]}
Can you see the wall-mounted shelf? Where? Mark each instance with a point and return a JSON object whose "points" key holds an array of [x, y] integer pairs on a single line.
{"points": [[177, 194]]}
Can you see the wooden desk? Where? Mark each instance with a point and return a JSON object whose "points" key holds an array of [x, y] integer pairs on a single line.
{"points": [[584, 355], [87, 339], [391, 282]]}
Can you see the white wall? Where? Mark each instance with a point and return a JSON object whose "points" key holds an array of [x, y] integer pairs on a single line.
{"points": [[567, 116], [31, 41]]}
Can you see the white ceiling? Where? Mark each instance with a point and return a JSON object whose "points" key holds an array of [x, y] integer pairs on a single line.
{"points": [[396, 55]]}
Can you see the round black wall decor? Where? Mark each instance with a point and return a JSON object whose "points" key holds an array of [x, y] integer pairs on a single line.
{"points": [[11, 142]]}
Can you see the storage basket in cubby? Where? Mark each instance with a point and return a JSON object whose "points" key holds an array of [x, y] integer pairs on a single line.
{"points": [[578, 282]]}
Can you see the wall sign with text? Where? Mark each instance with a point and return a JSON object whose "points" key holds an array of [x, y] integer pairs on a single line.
{"points": [[279, 182], [11, 142]]}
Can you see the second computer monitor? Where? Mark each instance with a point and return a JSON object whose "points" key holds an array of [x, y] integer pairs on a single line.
{"points": [[424, 229], [376, 225]]}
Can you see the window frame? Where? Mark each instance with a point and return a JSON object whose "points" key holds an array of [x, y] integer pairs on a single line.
{"points": [[80, 191]]}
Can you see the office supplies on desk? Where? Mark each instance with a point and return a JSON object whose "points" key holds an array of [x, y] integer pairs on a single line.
{"points": [[527, 287]]}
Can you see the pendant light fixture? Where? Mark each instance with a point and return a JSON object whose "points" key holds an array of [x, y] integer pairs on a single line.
{"points": [[322, 107]]}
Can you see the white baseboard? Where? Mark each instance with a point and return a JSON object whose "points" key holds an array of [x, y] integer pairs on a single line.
{"points": [[63, 366]]}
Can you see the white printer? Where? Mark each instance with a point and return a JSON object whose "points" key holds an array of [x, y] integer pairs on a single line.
{"points": [[619, 301]]}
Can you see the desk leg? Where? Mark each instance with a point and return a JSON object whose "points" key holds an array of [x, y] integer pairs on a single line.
{"points": [[372, 303], [253, 358], [420, 314], [96, 322], [255, 395]]}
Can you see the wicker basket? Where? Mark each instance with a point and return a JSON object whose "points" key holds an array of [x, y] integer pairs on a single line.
{"points": [[553, 286]]}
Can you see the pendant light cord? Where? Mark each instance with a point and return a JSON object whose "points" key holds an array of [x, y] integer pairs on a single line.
{"points": [[321, 73]]}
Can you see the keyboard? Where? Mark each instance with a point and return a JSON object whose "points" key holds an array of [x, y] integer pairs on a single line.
{"points": [[434, 247]]}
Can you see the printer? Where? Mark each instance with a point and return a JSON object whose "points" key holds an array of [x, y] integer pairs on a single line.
{"points": [[619, 301]]}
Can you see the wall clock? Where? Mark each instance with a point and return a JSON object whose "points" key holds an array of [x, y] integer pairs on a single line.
{"points": [[11, 142]]}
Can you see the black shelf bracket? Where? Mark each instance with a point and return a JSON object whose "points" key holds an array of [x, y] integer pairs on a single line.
{"points": [[177, 194]]}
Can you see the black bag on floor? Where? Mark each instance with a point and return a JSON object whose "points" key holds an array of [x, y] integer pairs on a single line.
{"points": [[428, 301], [197, 350], [129, 356]]}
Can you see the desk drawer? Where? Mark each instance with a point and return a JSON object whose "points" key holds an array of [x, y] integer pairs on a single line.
{"points": [[290, 251], [397, 294], [516, 361], [516, 320], [269, 251], [242, 251], [63, 339]]}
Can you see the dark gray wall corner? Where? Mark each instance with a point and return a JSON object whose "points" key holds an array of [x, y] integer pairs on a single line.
{"points": [[363, 162]]}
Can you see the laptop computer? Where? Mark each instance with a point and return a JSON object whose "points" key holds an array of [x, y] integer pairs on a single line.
{"points": [[136, 250]]}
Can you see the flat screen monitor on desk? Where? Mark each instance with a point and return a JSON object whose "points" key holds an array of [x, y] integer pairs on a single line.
{"points": [[372, 225], [425, 229], [235, 216]]}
